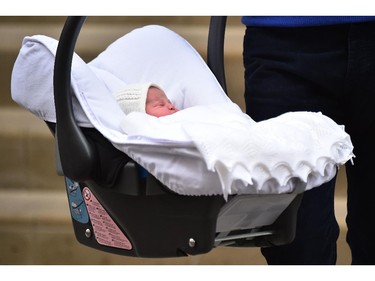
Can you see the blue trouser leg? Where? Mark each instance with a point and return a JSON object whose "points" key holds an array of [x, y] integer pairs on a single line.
{"points": [[317, 224], [329, 69], [361, 205], [360, 86]]}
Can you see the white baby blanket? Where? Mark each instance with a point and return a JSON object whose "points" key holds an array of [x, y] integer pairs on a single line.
{"points": [[295, 151], [208, 148]]}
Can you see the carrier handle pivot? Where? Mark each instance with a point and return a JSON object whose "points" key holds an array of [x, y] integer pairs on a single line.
{"points": [[76, 154]]}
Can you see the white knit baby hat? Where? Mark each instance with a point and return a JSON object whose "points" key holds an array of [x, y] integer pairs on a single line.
{"points": [[133, 97]]}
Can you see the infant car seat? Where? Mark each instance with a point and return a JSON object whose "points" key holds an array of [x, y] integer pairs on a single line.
{"points": [[115, 208]]}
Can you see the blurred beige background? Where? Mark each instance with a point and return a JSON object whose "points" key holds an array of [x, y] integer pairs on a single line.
{"points": [[35, 225]]}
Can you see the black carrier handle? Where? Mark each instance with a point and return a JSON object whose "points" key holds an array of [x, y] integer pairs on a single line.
{"points": [[76, 155], [215, 48]]}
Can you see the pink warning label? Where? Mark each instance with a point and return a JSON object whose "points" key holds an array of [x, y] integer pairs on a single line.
{"points": [[106, 231]]}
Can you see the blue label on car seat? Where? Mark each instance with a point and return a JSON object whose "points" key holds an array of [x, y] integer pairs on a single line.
{"points": [[76, 204]]}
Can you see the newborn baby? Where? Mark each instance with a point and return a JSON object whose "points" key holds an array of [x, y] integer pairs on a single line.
{"points": [[148, 98]]}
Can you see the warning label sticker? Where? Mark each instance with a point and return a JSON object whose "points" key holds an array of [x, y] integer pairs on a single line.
{"points": [[105, 229]]}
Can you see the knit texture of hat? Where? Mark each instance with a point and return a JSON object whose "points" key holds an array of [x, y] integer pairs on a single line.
{"points": [[133, 97]]}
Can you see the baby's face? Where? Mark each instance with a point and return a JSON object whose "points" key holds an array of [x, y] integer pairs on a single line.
{"points": [[157, 103]]}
